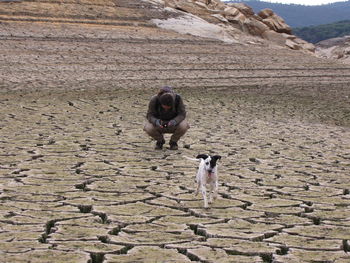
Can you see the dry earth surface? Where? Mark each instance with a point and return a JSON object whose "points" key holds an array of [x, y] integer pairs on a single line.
{"points": [[80, 182]]}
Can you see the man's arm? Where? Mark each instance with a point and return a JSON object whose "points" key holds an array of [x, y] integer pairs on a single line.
{"points": [[181, 111], [152, 111]]}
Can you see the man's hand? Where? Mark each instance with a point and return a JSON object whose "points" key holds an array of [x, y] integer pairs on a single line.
{"points": [[161, 124], [164, 124], [158, 123], [172, 123]]}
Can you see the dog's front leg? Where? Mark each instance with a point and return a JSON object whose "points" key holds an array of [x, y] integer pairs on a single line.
{"points": [[212, 189], [204, 194]]}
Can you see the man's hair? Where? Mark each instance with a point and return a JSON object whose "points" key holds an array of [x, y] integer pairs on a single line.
{"points": [[165, 89], [166, 99]]}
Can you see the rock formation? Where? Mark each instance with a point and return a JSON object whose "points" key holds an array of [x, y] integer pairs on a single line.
{"points": [[266, 24]]}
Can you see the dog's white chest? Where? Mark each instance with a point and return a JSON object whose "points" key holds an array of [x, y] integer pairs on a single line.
{"points": [[210, 177]]}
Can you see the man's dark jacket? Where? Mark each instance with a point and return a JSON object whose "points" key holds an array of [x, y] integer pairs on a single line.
{"points": [[155, 110]]}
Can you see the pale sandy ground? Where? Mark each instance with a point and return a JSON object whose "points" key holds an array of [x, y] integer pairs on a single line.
{"points": [[337, 49], [193, 25]]}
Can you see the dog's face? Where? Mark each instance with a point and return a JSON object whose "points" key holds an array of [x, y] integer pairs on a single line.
{"points": [[209, 161]]}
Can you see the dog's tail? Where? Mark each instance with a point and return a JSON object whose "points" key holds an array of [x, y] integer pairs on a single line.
{"points": [[191, 159]]}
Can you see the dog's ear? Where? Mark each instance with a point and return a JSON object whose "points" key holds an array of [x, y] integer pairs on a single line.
{"points": [[203, 156], [216, 157]]}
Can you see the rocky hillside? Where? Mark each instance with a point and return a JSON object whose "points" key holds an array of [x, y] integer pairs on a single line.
{"points": [[79, 180], [228, 17], [266, 24]]}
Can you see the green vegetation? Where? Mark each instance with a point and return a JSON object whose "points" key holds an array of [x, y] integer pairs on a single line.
{"points": [[302, 15], [316, 34]]}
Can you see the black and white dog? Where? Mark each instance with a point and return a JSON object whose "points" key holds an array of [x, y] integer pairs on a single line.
{"points": [[207, 174]]}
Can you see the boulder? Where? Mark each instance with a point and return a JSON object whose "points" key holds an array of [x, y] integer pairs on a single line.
{"points": [[255, 27], [304, 44], [309, 46], [291, 44], [274, 22], [186, 6], [246, 10], [290, 41], [213, 4], [266, 13], [231, 11], [275, 37], [233, 15]]}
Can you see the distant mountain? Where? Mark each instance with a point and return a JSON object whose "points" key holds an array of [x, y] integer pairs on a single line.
{"points": [[301, 15], [316, 34]]}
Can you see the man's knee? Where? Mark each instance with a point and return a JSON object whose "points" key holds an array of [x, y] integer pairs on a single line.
{"points": [[183, 126], [180, 130], [149, 128]]}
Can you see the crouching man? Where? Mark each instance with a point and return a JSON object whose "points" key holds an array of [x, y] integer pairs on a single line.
{"points": [[166, 114]]}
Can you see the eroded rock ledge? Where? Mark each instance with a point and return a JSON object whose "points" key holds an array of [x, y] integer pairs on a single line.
{"points": [[266, 24]]}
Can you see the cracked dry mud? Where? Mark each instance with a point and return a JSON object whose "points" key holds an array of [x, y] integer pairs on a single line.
{"points": [[80, 182]]}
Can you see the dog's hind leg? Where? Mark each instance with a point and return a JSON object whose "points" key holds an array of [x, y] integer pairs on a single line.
{"points": [[216, 188], [197, 190], [198, 184]]}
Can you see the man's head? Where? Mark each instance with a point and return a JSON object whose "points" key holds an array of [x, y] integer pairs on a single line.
{"points": [[166, 89], [166, 100]]}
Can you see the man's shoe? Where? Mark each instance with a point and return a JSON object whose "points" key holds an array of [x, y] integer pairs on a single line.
{"points": [[173, 145], [159, 145]]}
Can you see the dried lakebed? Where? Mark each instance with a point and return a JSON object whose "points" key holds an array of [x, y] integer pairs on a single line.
{"points": [[80, 182]]}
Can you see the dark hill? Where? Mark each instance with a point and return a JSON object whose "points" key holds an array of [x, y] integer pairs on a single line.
{"points": [[301, 15], [316, 34]]}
